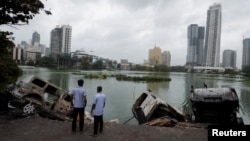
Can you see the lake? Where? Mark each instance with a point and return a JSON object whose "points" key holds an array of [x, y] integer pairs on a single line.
{"points": [[122, 94]]}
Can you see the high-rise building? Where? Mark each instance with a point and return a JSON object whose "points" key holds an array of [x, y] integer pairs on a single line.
{"points": [[60, 41], [55, 39], [166, 58], [246, 52], [35, 39], [154, 56], [195, 47], [213, 35], [66, 38], [229, 59], [24, 44]]}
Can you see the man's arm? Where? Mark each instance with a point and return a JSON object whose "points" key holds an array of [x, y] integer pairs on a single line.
{"points": [[71, 99], [85, 101], [92, 108]]}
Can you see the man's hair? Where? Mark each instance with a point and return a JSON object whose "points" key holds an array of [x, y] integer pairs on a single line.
{"points": [[99, 89], [80, 82]]}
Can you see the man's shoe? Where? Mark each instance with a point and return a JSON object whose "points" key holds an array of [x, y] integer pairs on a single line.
{"points": [[93, 135]]}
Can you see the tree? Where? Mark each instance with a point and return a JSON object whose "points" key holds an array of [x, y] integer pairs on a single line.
{"points": [[86, 62], [14, 12], [46, 61], [19, 12], [98, 65], [246, 71], [10, 70]]}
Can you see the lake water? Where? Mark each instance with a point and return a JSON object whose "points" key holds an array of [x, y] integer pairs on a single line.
{"points": [[122, 94]]}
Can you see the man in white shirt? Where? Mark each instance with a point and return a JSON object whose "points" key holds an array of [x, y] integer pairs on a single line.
{"points": [[79, 102], [98, 109]]}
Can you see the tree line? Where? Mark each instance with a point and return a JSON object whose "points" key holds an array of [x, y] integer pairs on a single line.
{"points": [[17, 13]]}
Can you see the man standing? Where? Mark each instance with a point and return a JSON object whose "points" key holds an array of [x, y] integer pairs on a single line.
{"points": [[98, 109], [79, 102]]}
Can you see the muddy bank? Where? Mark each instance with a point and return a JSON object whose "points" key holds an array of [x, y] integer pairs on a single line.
{"points": [[36, 128]]}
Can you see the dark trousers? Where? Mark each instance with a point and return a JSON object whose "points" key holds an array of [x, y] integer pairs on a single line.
{"points": [[98, 122], [77, 111]]}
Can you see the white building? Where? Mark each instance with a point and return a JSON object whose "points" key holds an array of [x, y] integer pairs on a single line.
{"points": [[18, 54], [66, 34], [166, 58], [33, 53], [213, 36], [229, 59]]}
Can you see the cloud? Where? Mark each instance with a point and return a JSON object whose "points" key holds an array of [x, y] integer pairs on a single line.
{"points": [[127, 29]]}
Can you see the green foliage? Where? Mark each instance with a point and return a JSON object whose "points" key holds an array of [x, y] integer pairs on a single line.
{"points": [[19, 11], [161, 68], [95, 76], [230, 71], [10, 70], [46, 62], [85, 63], [30, 63], [14, 12], [121, 77], [177, 69], [246, 71], [98, 65]]}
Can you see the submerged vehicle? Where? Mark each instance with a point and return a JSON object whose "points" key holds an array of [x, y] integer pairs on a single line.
{"points": [[209, 106], [34, 94], [148, 108], [215, 105]]}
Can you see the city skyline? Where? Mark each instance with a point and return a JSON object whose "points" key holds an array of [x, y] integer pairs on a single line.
{"points": [[121, 29]]}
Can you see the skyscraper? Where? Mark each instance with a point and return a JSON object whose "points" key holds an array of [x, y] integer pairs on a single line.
{"points": [[195, 47], [213, 35], [60, 40], [35, 39], [229, 59], [55, 39], [246, 52], [66, 38]]}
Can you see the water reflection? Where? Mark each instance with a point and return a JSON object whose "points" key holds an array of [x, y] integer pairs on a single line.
{"points": [[157, 87], [245, 104], [60, 79], [122, 94]]}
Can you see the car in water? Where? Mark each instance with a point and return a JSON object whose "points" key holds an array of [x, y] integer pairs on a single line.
{"points": [[215, 105], [35, 95]]}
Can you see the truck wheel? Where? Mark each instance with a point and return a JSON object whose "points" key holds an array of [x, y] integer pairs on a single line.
{"points": [[29, 108]]}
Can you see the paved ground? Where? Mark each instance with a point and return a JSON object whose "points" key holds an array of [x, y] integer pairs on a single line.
{"points": [[35, 128]]}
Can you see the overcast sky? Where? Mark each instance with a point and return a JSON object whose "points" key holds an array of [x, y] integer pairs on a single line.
{"points": [[127, 29]]}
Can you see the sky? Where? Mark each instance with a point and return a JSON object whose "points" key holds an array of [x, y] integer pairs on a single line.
{"points": [[127, 29]]}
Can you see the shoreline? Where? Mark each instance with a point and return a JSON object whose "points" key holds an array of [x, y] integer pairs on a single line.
{"points": [[37, 128]]}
